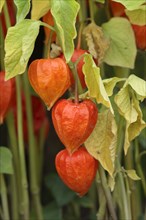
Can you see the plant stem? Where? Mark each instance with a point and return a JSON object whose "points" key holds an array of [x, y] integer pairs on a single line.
{"points": [[4, 198], [138, 166], [32, 152], [24, 200], [91, 7], [107, 193]]}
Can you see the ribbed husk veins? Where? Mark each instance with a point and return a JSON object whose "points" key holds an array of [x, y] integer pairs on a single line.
{"points": [[76, 170], [50, 78], [74, 122]]}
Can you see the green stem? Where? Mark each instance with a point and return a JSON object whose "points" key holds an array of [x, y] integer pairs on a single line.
{"points": [[107, 193], [4, 198], [138, 165], [24, 200], [91, 7], [35, 191], [2, 54], [120, 183], [128, 197], [1, 213]]}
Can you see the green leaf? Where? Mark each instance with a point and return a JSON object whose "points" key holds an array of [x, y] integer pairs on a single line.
{"points": [[2, 2], [132, 174], [122, 50], [84, 201], [6, 161], [137, 16], [94, 82], [102, 142], [19, 45], [23, 8], [65, 13], [129, 4], [59, 189], [110, 84], [52, 212], [138, 85], [40, 8]]}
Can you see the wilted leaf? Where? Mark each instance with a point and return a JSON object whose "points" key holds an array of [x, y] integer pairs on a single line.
{"points": [[96, 41], [94, 82], [110, 84], [125, 105], [23, 8], [122, 50], [137, 16], [134, 129], [131, 5], [138, 85], [102, 142], [2, 2], [6, 166], [132, 174], [64, 14], [19, 45], [128, 106], [40, 8]]}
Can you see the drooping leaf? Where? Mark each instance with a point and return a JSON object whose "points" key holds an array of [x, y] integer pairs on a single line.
{"points": [[40, 8], [128, 106], [19, 45], [110, 84], [64, 13], [6, 166], [132, 174], [131, 5], [102, 142], [59, 189], [138, 85], [100, 1], [111, 183], [23, 8], [124, 103], [94, 82], [134, 129], [137, 16], [122, 50], [2, 2]]}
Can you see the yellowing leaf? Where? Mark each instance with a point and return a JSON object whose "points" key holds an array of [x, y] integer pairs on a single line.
{"points": [[138, 85], [94, 82], [64, 13], [96, 41], [132, 174], [40, 8], [130, 4], [122, 50], [19, 45], [125, 107], [137, 16], [2, 2], [102, 142], [133, 129], [23, 8], [128, 106], [110, 83]]}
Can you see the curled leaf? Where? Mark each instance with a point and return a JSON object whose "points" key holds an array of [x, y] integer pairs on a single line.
{"points": [[94, 82], [43, 7], [101, 144], [96, 41], [110, 83], [132, 174]]}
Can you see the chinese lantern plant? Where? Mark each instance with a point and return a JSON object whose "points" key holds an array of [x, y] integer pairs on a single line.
{"points": [[6, 95], [50, 78], [74, 121], [77, 170]]}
